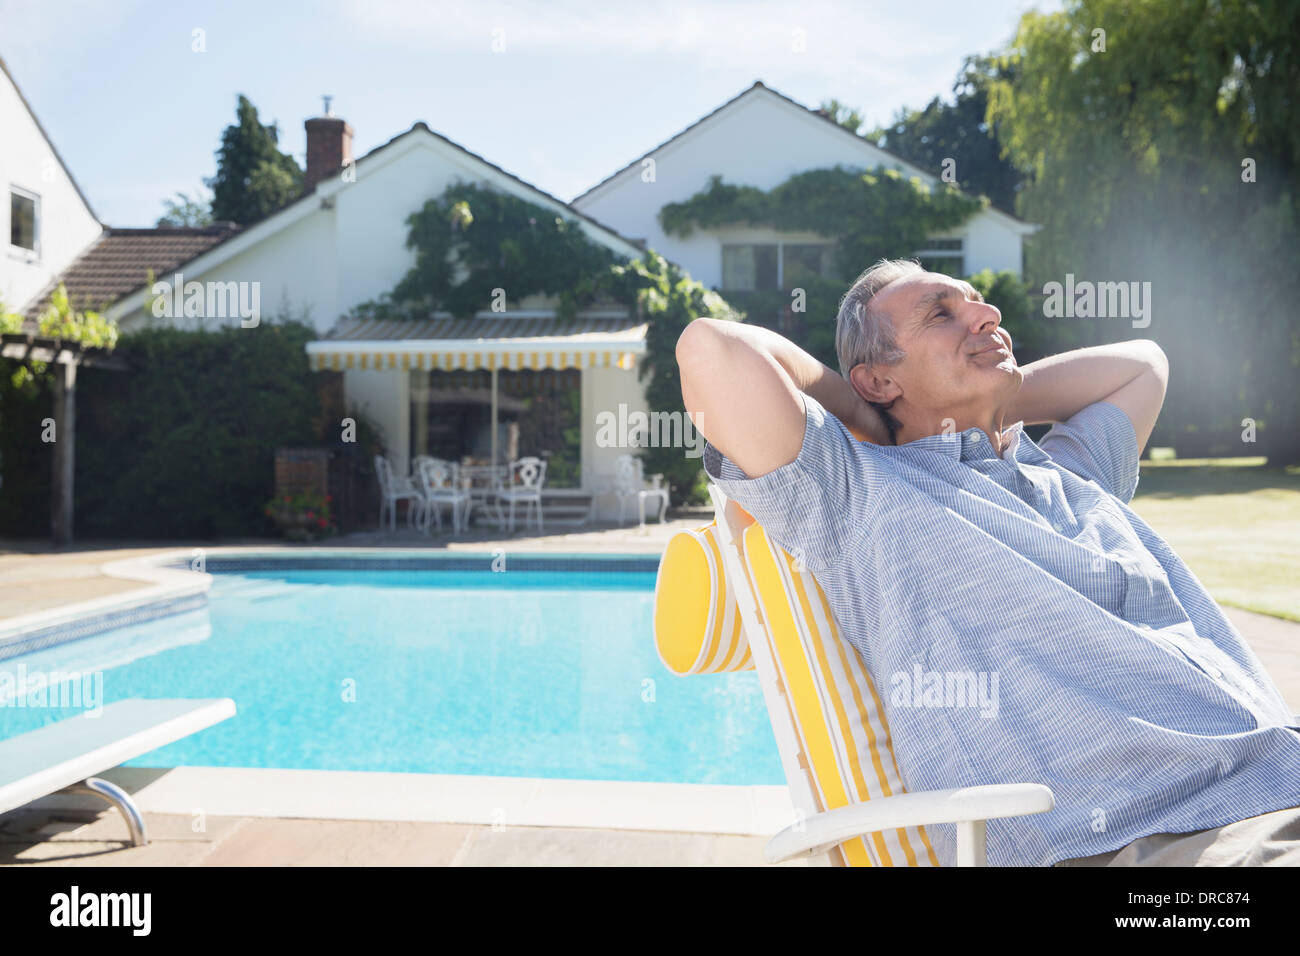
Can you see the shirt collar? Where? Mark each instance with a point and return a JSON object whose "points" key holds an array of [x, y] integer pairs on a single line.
{"points": [[973, 444]]}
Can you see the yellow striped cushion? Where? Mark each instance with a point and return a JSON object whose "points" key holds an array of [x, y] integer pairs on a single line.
{"points": [[696, 620], [838, 715]]}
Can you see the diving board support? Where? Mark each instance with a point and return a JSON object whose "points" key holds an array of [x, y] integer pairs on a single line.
{"points": [[119, 798]]}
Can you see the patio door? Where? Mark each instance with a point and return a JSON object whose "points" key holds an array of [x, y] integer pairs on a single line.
{"points": [[538, 413]]}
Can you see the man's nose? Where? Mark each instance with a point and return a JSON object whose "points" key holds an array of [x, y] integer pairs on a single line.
{"points": [[987, 317]]}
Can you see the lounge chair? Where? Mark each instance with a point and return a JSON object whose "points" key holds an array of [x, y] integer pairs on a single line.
{"points": [[63, 757], [727, 599]]}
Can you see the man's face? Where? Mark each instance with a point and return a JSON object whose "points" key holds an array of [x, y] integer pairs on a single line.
{"points": [[958, 360]]}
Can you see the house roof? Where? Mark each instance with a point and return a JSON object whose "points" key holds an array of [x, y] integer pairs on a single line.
{"points": [[117, 262], [269, 225], [759, 85], [66, 171]]}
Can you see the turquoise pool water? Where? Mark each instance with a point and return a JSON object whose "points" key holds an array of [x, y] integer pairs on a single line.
{"points": [[522, 673]]}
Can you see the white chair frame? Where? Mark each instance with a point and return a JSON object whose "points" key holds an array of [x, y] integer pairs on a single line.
{"points": [[439, 484], [392, 490], [629, 481], [530, 473]]}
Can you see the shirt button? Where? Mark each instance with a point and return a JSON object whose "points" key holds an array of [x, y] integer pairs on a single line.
{"points": [[1057, 525], [976, 437]]}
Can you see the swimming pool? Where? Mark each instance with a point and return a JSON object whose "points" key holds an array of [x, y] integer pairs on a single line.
{"points": [[525, 673]]}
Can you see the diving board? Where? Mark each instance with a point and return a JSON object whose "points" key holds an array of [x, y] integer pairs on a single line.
{"points": [[65, 756]]}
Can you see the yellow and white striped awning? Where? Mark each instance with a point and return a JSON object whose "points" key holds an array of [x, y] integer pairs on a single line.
{"points": [[500, 342]]}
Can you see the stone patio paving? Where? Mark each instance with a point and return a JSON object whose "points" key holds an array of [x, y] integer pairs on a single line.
{"points": [[83, 838]]}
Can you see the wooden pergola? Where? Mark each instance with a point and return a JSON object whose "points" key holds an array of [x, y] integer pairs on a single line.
{"points": [[65, 358]]}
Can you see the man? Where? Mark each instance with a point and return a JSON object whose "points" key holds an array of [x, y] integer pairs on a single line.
{"points": [[950, 543]]}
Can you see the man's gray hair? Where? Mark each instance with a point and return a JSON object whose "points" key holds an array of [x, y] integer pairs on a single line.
{"points": [[862, 334]]}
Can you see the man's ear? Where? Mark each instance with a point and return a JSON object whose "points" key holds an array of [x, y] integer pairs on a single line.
{"points": [[872, 386]]}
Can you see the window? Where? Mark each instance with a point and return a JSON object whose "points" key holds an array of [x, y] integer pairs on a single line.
{"points": [[778, 265], [800, 261], [749, 267], [22, 219], [944, 255]]}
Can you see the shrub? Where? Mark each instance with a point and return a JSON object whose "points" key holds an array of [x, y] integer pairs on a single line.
{"points": [[184, 445]]}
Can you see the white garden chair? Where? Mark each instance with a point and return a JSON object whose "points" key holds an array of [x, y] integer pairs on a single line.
{"points": [[439, 483], [525, 479], [393, 489], [629, 483]]}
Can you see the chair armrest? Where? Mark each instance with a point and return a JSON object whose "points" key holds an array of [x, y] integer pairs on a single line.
{"points": [[822, 831]]}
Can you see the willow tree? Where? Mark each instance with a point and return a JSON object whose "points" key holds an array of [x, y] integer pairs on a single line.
{"points": [[1163, 147]]}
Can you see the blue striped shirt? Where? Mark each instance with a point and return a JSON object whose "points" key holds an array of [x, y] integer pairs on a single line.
{"points": [[1024, 625]]}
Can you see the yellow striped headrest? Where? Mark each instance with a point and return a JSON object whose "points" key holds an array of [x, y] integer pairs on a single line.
{"points": [[696, 620]]}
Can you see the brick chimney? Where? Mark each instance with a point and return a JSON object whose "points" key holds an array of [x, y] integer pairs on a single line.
{"points": [[329, 146]]}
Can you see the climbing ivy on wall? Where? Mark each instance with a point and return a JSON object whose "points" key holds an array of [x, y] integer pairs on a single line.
{"points": [[472, 240], [870, 215]]}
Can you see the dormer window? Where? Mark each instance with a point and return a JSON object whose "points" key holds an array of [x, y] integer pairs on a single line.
{"points": [[24, 209]]}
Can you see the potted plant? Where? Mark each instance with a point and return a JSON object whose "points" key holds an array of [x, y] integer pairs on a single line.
{"points": [[302, 517]]}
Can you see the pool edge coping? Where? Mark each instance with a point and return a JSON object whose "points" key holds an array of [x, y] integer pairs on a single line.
{"points": [[165, 584]]}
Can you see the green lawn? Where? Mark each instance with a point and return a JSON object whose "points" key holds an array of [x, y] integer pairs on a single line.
{"points": [[1235, 523]]}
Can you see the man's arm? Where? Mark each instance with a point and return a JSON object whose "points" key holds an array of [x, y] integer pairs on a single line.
{"points": [[741, 384], [1130, 375]]}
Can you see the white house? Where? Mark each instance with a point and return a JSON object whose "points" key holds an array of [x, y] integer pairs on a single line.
{"points": [[761, 138], [343, 243], [45, 219]]}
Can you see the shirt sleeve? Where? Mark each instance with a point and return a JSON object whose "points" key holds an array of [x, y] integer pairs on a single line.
{"points": [[1098, 444], [813, 505]]}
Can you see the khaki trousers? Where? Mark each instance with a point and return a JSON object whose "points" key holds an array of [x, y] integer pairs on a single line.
{"points": [[1270, 839]]}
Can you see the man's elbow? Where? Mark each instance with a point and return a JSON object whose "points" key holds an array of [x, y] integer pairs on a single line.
{"points": [[697, 353], [1156, 359], [696, 340]]}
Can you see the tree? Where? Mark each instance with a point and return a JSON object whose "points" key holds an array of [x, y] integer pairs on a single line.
{"points": [[1165, 151], [847, 116], [186, 211], [955, 131], [253, 178]]}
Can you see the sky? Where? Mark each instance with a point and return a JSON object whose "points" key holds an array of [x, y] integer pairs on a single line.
{"points": [[561, 94]]}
